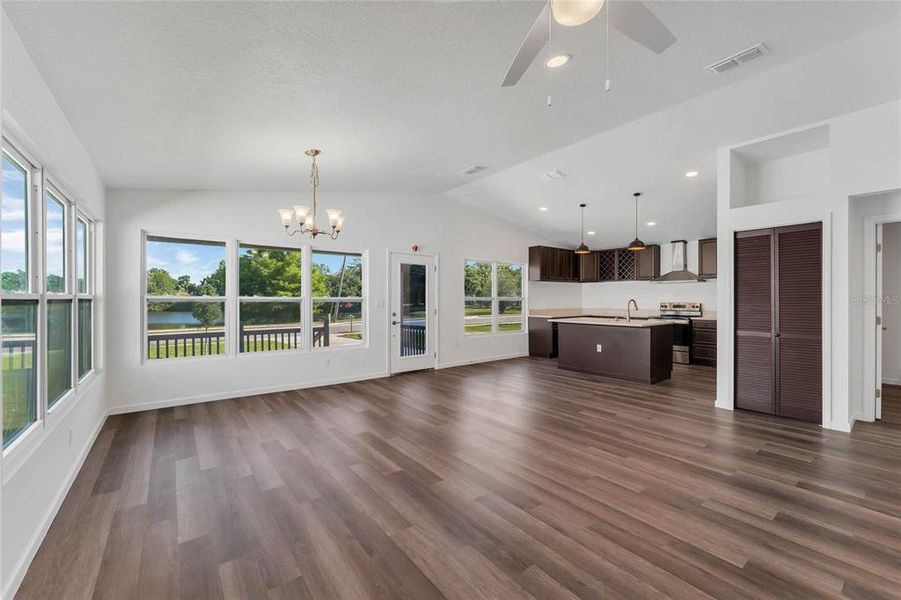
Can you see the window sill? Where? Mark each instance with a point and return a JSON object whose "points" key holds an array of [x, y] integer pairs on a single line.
{"points": [[186, 359], [494, 334]]}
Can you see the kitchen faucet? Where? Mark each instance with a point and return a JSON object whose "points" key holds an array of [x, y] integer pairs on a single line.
{"points": [[629, 309]]}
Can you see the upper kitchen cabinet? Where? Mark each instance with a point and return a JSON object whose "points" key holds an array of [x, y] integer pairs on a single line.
{"points": [[707, 258], [589, 266], [647, 263], [552, 264]]}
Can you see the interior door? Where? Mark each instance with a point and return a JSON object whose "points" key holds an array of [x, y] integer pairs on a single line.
{"points": [[754, 323], [413, 312], [880, 326], [799, 322]]}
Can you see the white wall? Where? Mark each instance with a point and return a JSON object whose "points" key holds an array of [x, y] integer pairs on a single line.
{"points": [[865, 157], [891, 308], [547, 294], [375, 224], [36, 479], [648, 295]]}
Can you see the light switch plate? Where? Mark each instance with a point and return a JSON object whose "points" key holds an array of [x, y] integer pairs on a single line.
{"points": [[600, 348]]}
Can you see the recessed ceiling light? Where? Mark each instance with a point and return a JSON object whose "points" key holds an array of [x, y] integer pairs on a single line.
{"points": [[557, 61], [651, 223], [590, 232], [691, 174], [543, 209]]}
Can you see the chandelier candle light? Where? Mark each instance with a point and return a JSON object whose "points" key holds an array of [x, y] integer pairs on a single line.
{"points": [[306, 216]]}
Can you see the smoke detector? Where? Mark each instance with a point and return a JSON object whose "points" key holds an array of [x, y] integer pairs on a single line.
{"points": [[738, 59], [472, 170], [552, 175]]}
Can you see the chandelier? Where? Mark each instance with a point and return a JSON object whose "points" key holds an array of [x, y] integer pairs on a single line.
{"points": [[306, 216]]}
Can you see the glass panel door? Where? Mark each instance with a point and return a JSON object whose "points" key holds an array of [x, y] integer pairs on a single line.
{"points": [[413, 310]]}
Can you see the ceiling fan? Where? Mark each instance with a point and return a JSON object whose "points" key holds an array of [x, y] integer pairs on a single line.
{"points": [[631, 17]]}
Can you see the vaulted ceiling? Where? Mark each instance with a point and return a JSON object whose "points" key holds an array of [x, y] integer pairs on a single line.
{"points": [[399, 95]]}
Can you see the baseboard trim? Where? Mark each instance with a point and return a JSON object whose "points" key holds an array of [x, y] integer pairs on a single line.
{"points": [[37, 538], [187, 400], [891, 381], [462, 363]]}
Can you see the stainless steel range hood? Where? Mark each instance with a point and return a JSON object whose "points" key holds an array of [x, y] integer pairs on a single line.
{"points": [[679, 272]]}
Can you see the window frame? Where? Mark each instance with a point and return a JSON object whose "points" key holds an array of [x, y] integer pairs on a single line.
{"points": [[496, 299], [68, 294], [227, 300], [301, 300], [40, 181], [88, 294], [364, 304]]}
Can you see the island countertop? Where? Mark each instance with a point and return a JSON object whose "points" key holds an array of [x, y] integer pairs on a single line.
{"points": [[637, 350], [612, 322]]}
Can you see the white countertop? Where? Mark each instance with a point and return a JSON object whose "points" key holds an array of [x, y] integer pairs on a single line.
{"points": [[621, 322]]}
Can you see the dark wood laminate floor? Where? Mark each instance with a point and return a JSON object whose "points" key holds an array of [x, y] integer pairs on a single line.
{"points": [[502, 480]]}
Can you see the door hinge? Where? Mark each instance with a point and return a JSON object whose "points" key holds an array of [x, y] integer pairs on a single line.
{"points": [[879, 393], [878, 320], [878, 247]]}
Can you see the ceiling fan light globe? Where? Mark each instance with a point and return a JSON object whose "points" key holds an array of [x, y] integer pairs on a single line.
{"points": [[571, 13]]}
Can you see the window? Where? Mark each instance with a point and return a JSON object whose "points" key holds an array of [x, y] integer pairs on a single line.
{"points": [[493, 297], [269, 304], [84, 288], [478, 305], [58, 315], [337, 299], [19, 311], [509, 297], [185, 297], [46, 315]]}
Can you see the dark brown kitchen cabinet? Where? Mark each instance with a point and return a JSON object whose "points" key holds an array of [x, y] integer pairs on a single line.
{"points": [[647, 262], [778, 321], [707, 258], [703, 342], [589, 266], [552, 264], [620, 264]]}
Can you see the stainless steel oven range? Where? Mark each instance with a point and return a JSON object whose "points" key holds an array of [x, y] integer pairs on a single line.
{"points": [[681, 313]]}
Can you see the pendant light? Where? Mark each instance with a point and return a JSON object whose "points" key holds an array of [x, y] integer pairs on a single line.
{"points": [[582, 249], [636, 244]]}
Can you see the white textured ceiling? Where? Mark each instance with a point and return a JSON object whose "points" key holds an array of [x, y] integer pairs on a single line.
{"points": [[399, 95]]}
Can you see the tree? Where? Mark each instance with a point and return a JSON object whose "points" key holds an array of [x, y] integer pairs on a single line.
{"points": [[207, 313], [215, 281], [14, 281], [477, 279], [160, 283]]}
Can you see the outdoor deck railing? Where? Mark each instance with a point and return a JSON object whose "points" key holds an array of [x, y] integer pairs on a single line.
{"points": [[412, 340], [169, 344]]}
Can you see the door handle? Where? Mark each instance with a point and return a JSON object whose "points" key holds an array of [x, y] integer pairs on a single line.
{"points": [[394, 322], [778, 335]]}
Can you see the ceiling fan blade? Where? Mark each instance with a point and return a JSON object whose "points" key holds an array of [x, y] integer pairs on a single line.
{"points": [[531, 46], [637, 21]]}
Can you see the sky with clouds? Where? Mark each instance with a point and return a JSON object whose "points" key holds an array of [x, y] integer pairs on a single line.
{"points": [[185, 258]]}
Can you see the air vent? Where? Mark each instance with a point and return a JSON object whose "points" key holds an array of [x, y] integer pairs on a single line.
{"points": [[738, 59], [472, 170], [552, 175]]}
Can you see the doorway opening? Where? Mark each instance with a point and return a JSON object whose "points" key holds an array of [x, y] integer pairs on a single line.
{"points": [[888, 322]]}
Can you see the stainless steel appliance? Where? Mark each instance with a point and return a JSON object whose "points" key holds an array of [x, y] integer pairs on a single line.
{"points": [[681, 314]]}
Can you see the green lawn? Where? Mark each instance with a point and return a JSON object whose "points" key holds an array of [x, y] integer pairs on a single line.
{"points": [[501, 327]]}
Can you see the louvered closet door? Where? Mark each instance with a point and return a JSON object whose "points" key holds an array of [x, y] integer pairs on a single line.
{"points": [[754, 326], [799, 285]]}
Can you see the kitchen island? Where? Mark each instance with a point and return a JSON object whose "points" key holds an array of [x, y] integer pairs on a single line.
{"points": [[637, 350]]}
